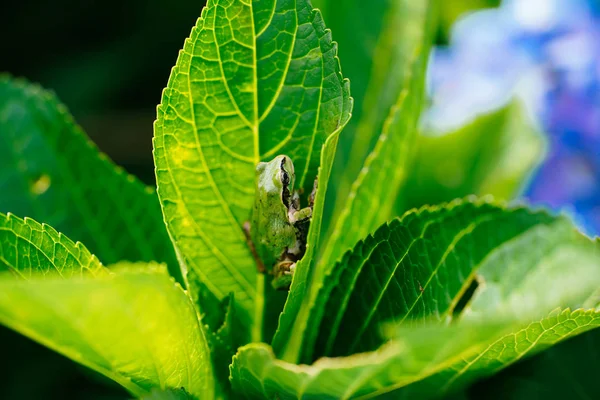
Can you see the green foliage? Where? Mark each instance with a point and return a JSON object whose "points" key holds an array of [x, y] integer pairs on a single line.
{"points": [[252, 81], [421, 266], [28, 248], [419, 363], [384, 302], [169, 394], [150, 338], [50, 171], [380, 43]]}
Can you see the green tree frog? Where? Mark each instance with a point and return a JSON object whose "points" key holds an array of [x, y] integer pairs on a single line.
{"points": [[278, 228]]}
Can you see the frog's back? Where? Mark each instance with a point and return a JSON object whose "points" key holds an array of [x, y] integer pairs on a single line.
{"points": [[272, 235]]}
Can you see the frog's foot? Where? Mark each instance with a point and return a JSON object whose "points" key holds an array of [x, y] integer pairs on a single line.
{"points": [[283, 273], [259, 264]]}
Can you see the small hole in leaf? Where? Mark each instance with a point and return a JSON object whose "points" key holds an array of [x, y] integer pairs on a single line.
{"points": [[465, 298], [40, 185]]}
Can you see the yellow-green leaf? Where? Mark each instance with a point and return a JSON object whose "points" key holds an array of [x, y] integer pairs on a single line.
{"points": [[255, 79], [134, 325]]}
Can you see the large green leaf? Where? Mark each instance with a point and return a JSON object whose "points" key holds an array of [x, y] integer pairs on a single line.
{"points": [[50, 171], [297, 309], [136, 326], [388, 275], [495, 154], [418, 267], [498, 352], [255, 79], [538, 280], [418, 363], [423, 265], [370, 202], [372, 195]]}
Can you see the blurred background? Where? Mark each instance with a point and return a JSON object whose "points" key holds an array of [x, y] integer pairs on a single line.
{"points": [[109, 60], [547, 53]]}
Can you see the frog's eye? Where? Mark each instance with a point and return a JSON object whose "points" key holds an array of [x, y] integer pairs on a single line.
{"points": [[285, 178]]}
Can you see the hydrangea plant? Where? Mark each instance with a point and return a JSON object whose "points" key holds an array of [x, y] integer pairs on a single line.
{"points": [[401, 291]]}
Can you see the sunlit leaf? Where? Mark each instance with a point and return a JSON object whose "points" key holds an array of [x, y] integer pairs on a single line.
{"points": [[538, 278], [136, 326], [420, 362], [296, 311], [371, 200], [29, 248], [255, 79]]}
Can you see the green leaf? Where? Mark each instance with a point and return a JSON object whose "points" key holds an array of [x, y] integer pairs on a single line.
{"points": [[368, 283], [422, 265], [297, 309], [372, 195], [495, 154], [28, 248], [136, 326], [370, 201], [169, 394], [255, 79], [379, 42], [497, 353], [419, 363], [50, 171], [568, 370]]}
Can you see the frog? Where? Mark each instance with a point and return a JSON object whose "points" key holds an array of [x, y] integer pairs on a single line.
{"points": [[278, 226]]}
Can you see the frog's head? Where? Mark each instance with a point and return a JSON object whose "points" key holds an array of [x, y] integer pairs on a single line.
{"points": [[276, 178]]}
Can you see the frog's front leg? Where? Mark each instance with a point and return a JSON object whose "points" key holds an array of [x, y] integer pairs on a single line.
{"points": [[300, 216], [300, 220], [283, 273], [259, 264]]}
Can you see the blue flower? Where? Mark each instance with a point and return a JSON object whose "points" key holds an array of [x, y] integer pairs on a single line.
{"points": [[547, 52]]}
